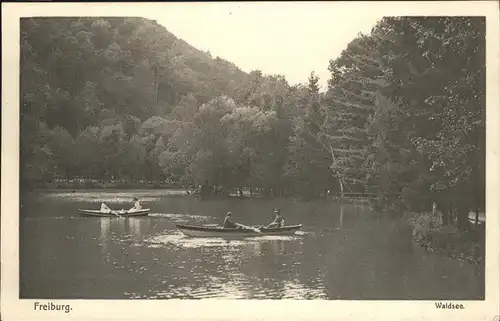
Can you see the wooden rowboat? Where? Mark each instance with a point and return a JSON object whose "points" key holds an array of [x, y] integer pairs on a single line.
{"points": [[205, 231], [121, 213]]}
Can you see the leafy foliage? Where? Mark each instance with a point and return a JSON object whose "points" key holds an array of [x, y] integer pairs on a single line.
{"points": [[403, 115]]}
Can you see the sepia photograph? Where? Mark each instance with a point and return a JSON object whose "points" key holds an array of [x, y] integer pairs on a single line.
{"points": [[253, 151]]}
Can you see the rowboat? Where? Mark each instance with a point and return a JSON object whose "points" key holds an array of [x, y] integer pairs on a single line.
{"points": [[205, 231], [120, 213]]}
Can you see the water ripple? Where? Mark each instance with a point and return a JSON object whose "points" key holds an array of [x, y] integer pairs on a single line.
{"points": [[178, 239], [178, 217], [237, 287], [45, 218], [274, 238], [303, 233]]}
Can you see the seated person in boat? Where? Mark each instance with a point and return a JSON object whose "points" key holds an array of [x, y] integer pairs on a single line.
{"points": [[228, 222], [105, 208], [278, 220], [137, 206]]}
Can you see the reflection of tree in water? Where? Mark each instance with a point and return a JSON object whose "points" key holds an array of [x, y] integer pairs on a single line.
{"points": [[105, 225], [378, 253], [119, 228], [116, 244], [63, 258], [346, 215], [284, 269], [136, 226], [341, 217], [214, 273]]}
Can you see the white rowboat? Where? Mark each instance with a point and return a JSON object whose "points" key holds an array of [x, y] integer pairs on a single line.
{"points": [[115, 213]]}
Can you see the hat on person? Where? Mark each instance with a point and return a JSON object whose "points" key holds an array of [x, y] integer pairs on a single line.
{"points": [[229, 214]]}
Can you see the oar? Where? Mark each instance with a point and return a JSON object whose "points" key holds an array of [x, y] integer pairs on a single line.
{"points": [[249, 228], [116, 214]]}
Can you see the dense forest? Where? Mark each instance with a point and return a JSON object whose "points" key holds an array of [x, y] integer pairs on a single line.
{"points": [[122, 98]]}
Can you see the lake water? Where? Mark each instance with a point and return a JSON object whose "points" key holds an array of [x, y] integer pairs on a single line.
{"points": [[343, 252]]}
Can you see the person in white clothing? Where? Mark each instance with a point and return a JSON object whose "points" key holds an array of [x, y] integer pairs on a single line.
{"points": [[105, 208], [137, 205]]}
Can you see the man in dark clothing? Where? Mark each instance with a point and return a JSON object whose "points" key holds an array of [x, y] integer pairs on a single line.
{"points": [[278, 220]]}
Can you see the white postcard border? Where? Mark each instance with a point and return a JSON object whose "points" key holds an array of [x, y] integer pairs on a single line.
{"points": [[12, 308]]}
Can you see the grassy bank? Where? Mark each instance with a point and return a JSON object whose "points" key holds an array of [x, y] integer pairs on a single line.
{"points": [[447, 240], [100, 184]]}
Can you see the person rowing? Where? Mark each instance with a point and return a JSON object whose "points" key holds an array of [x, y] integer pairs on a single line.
{"points": [[105, 209], [278, 220], [228, 221]]}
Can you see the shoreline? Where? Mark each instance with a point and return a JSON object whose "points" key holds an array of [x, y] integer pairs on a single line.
{"points": [[447, 240], [103, 185], [107, 185], [234, 195]]}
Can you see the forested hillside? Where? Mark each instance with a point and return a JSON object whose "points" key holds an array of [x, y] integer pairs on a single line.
{"points": [[403, 115], [88, 85]]}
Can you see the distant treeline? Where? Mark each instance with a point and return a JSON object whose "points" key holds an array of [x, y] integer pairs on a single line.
{"points": [[89, 183], [122, 98]]}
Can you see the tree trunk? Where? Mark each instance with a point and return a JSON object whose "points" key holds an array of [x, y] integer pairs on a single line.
{"points": [[157, 83], [341, 188], [446, 216], [462, 218]]}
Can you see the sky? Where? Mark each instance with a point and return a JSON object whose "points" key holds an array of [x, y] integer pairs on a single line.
{"points": [[291, 39], [287, 38]]}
